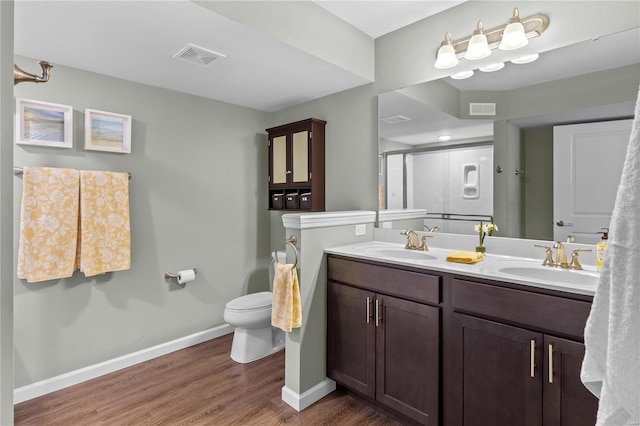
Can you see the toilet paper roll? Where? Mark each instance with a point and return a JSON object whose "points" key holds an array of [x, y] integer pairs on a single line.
{"points": [[186, 276]]}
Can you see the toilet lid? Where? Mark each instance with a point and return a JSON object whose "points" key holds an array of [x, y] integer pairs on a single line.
{"points": [[251, 301]]}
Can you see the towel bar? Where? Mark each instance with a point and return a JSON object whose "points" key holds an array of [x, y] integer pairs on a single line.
{"points": [[17, 170], [292, 241]]}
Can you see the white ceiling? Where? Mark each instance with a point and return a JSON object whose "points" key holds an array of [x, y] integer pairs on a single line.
{"points": [[136, 40]]}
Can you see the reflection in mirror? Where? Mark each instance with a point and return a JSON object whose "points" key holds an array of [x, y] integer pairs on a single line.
{"points": [[506, 119]]}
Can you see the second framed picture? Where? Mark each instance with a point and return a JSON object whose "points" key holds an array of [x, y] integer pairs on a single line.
{"points": [[107, 131]]}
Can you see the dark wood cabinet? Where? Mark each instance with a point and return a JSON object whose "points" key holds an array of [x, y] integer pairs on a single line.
{"points": [[506, 367], [566, 401], [408, 358], [351, 347], [297, 166], [384, 347], [499, 371], [436, 348]]}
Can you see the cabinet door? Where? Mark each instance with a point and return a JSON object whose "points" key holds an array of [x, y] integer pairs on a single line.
{"points": [[300, 157], [351, 338], [279, 169], [497, 373], [566, 401], [408, 358]]}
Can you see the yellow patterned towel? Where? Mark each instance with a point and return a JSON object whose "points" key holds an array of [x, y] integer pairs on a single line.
{"points": [[105, 241], [286, 310], [465, 256], [48, 224]]}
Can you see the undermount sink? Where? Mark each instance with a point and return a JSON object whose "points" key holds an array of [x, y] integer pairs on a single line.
{"points": [[549, 274], [397, 253]]}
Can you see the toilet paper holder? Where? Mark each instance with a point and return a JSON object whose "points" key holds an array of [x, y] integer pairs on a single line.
{"points": [[169, 275]]}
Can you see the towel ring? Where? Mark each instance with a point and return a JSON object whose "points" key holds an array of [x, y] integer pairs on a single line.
{"points": [[292, 240]]}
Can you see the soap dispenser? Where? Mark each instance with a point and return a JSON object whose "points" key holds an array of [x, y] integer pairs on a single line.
{"points": [[601, 247]]}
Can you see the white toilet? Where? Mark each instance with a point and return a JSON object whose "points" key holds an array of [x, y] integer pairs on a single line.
{"points": [[250, 315]]}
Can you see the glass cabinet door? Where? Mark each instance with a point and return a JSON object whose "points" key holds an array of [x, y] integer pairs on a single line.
{"points": [[279, 159], [301, 156]]}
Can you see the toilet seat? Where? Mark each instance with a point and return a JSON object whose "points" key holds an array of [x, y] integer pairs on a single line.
{"points": [[251, 302]]}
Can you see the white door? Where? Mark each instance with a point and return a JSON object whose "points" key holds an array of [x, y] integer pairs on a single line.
{"points": [[587, 164]]}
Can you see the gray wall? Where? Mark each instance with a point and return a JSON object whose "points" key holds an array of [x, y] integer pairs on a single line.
{"points": [[197, 199], [538, 183]]}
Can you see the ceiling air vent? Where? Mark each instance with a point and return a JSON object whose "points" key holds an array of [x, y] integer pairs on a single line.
{"points": [[395, 119], [482, 108], [198, 55]]}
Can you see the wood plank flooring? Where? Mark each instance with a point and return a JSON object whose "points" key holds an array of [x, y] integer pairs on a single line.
{"points": [[199, 385]]}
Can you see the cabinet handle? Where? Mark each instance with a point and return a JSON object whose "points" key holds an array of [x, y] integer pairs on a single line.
{"points": [[368, 309], [378, 313], [533, 358], [550, 363], [288, 172]]}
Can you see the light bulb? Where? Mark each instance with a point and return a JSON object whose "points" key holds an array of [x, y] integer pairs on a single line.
{"points": [[478, 46], [513, 36], [446, 57]]}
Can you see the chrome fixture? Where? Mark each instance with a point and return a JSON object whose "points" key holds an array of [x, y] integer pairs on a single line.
{"points": [[434, 229], [510, 36], [20, 75]]}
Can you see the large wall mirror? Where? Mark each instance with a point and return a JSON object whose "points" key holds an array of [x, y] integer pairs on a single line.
{"points": [[498, 161]]}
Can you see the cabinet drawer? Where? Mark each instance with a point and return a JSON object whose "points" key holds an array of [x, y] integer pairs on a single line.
{"points": [[550, 313], [386, 280]]}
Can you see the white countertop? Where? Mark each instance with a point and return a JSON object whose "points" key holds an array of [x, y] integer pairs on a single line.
{"points": [[519, 270]]}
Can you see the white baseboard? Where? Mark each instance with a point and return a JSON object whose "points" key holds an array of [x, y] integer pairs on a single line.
{"points": [[71, 378], [316, 393]]}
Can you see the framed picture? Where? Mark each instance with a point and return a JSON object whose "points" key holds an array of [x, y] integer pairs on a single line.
{"points": [[107, 131], [44, 124]]}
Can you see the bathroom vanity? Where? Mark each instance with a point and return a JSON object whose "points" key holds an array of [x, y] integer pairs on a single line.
{"points": [[436, 343]]}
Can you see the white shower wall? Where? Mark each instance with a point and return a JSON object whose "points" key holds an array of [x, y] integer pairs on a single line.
{"points": [[438, 181]]}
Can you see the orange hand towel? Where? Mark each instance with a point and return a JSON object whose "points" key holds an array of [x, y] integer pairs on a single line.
{"points": [[48, 224], [105, 241], [469, 257], [286, 311]]}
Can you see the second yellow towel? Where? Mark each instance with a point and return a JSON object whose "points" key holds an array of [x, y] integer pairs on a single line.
{"points": [[461, 256], [286, 311], [105, 241]]}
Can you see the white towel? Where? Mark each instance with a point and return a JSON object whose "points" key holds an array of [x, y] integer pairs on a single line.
{"points": [[611, 367]]}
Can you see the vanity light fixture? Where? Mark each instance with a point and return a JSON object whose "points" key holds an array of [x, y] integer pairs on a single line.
{"points": [[512, 35]]}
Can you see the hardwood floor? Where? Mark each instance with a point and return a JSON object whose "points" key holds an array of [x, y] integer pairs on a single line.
{"points": [[199, 385]]}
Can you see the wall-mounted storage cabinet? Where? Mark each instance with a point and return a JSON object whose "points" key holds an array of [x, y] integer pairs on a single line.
{"points": [[296, 166]]}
